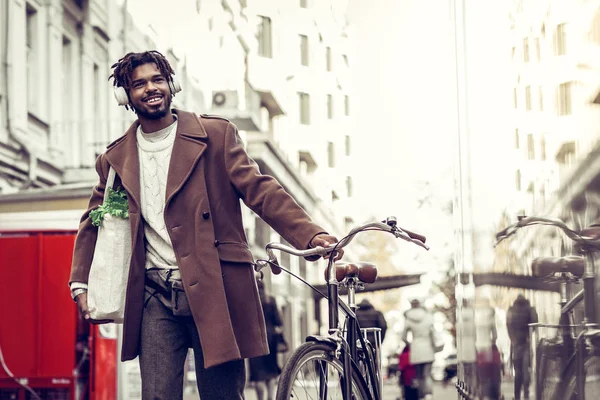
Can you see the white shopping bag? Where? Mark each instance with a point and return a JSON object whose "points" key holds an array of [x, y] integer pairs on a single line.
{"points": [[109, 273]]}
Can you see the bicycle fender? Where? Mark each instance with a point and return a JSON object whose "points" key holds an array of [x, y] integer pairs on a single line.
{"points": [[322, 339]]}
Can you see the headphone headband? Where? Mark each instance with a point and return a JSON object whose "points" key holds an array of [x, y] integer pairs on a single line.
{"points": [[123, 99]]}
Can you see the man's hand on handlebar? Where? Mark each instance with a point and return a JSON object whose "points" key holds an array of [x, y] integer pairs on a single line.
{"points": [[325, 240]]}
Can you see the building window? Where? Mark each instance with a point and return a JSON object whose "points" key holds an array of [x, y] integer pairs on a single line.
{"points": [[526, 50], [349, 186], [304, 101], [330, 155], [304, 50], [303, 3], [98, 123], [328, 58], [347, 145], [594, 34], [560, 40], [32, 58], [563, 100], [543, 148], [538, 49], [541, 98], [334, 196], [517, 139], [329, 106], [346, 105], [265, 38], [518, 180], [67, 83], [530, 147], [515, 98], [528, 98]]}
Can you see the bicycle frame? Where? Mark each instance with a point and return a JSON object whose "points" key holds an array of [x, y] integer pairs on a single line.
{"points": [[352, 328]]}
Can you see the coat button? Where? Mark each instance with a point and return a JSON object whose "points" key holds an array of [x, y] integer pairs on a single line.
{"points": [[217, 243], [206, 215]]}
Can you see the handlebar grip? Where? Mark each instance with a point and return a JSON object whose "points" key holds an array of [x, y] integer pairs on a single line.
{"points": [[416, 236], [274, 264]]}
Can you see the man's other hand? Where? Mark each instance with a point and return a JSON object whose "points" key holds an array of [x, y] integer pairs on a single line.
{"points": [[325, 240], [82, 304]]}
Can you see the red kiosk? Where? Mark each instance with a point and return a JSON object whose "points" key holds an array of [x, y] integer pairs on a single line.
{"points": [[44, 343]]}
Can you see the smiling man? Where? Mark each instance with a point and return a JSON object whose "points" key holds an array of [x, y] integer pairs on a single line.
{"points": [[191, 282]]}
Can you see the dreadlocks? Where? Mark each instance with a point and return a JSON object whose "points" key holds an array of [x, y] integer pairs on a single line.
{"points": [[123, 68]]}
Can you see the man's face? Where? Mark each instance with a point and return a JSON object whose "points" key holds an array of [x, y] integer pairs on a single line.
{"points": [[149, 93]]}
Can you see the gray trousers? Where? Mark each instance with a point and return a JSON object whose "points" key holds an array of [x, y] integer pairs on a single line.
{"points": [[424, 380], [165, 340]]}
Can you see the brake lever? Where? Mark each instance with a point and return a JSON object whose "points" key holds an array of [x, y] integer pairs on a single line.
{"points": [[505, 234]]}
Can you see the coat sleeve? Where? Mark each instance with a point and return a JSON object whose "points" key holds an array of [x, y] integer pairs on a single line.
{"points": [[265, 196], [85, 241]]}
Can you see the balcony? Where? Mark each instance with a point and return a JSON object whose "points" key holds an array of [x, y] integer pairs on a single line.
{"points": [[272, 161], [244, 108], [240, 107]]}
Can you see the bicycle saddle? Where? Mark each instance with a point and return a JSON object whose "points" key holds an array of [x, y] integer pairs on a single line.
{"points": [[545, 266], [366, 272], [592, 233]]}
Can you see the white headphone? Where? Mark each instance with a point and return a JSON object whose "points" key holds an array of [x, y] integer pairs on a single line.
{"points": [[123, 98]]}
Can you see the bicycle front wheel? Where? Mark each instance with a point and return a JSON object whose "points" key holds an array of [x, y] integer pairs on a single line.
{"points": [[568, 388], [313, 372]]}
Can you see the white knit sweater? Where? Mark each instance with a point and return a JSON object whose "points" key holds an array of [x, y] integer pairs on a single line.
{"points": [[154, 150]]}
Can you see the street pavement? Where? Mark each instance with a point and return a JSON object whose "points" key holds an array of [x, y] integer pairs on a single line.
{"points": [[391, 391]]}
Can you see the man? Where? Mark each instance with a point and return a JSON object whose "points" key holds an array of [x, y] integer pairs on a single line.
{"points": [[369, 317], [518, 318], [184, 176]]}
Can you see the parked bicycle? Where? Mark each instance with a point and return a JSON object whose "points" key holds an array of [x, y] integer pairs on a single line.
{"points": [[568, 364], [342, 364]]}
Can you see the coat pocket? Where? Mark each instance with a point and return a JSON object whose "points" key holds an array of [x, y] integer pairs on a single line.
{"points": [[235, 252]]}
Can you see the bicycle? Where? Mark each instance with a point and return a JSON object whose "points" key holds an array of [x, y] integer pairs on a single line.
{"points": [[574, 355], [342, 364]]}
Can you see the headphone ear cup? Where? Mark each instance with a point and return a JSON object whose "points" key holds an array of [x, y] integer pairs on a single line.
{"points": [[121, 95], [174, 85]]}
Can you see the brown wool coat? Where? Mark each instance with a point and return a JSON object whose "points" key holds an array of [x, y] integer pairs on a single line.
{"points": [[208, 174]]}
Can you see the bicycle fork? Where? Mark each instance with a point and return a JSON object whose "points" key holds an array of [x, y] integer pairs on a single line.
{"points": [[590, 320]]}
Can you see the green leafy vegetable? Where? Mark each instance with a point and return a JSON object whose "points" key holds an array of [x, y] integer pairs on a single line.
{"points": [[115, 205]]}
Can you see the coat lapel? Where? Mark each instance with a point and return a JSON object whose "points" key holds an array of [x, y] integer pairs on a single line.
{"points": [[122, 155], [187, 149]]}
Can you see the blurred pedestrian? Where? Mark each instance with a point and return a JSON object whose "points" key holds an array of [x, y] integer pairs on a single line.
{"points": [[488, 359], [265, 370], [419, 322], [518, 318], [408, 375], [369, 317]]}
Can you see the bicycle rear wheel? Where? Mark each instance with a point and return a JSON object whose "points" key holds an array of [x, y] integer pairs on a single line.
{"points": [[313, 372], [568, 389], [366, 356]]}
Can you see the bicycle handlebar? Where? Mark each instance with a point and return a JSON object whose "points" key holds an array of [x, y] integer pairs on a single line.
{"points": [[528, 221], [388, 225]]}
